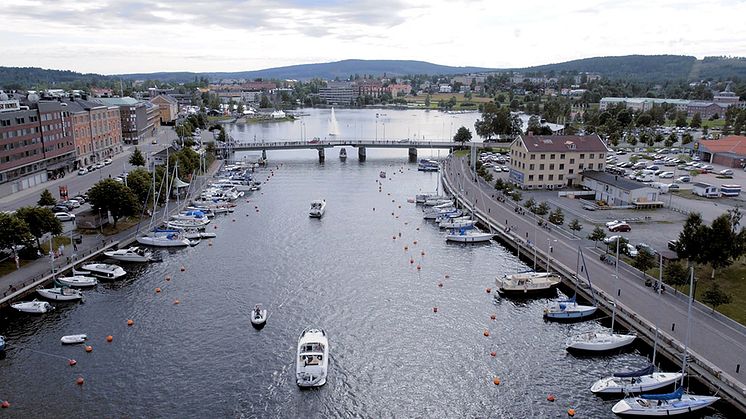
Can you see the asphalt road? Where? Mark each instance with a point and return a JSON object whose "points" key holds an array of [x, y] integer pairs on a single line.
{"points": [[721, 341]]}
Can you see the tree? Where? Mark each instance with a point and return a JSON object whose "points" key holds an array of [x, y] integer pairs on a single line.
{"points": [[516, 196], [575, 225], [557, 217], [696, 121], [530, 204], [715, 297], [499, 184], [681, 119], [686, 138], [463, 135], [597, 235], [534, 125], [264, 102], [723, 243], [427, 101], [141, 184], [644, 261], [46, 199], [13, 231], [542, 209], [136, 159], [671, 140], [112, 196], [611, 247], [40, 221], [675, 273]]}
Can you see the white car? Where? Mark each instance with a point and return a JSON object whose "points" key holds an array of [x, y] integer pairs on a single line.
{"points": [[107, 161], [612, 223], [611, 239], [726, 172], [666, 175], [631, 251], [99, 165], [82, 171], [64, 216]]}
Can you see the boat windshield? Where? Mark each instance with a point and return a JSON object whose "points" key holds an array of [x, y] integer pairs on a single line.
{"points": [[312, 347]]}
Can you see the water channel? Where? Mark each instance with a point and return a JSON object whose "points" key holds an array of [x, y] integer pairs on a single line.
{"points": [[349, 273]]}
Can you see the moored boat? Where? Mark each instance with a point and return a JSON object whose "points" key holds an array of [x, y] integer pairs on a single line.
{"points": [[258, 316], [77, 281], [104, 270], [669, 404], [635, 382], [568, 310], [599, 341], [33, 307], [343, 154], [2, 344], [163, 238], [318, 207], [382, 174], [472, 235], [130, 254], [73, 339], [60, 294], [312, 359], [527, 282]]}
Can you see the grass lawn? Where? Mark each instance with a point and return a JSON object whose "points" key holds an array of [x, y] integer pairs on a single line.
{"points": [[122, 224], [57, 241], [10, 266]]}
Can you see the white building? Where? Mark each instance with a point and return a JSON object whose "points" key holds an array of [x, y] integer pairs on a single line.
{"points": [[618, 191]]}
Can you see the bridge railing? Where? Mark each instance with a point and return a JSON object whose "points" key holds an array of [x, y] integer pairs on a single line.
{"points": [[339, 143]]}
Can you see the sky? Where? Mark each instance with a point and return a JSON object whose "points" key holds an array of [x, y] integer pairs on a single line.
{"points": [[131, 36]]}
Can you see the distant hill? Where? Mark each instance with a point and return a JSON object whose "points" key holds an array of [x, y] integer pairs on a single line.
{"points": [[341, 69], [648, 68]]}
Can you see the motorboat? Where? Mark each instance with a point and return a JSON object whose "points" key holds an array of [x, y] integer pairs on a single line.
{"points": [[73, 339], [33, 307], [472, 235], [60, 294], [163, 238], [457, 224], [425, 165], [527, 282], [422, 197], [382, 174], [205, 210], [187, 222], [437, 201], [259, 316], [343, 154], [599, 341], [77, 281], [445, 212], [195, 234], [635, 382], [568, 310], [104, 270], [318, 207], [130, 254], [312, 360], [669, 404], [448, 214]]}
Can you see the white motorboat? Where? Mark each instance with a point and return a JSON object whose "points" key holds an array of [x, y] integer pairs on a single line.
{"points": [[599, 341], [33, 307], [670, 404], [343, 154], [60, 294], [258, 316], [318, 207], [457, 224], [437, 201], [187, 222], [444, 213], [163, 238], [422, 197], [130, 254], [73, 339], [568, 310], [527, 282], [104, 270], [382, 174], [312, 360], [635, 382], [472, 235], [77, 281]]}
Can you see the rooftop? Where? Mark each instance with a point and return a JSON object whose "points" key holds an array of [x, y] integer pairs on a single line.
{"points": [[560, 143], [614, 180], [117, 101]]}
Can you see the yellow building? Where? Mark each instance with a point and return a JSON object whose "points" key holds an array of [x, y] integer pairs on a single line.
{"points": [[552, 162], [168, 106]]}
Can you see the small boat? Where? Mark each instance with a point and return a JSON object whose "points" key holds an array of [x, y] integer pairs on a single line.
{"points": [[568, 310], [77, 281], [527, 282], [60, 294], [318, 207], [73, 339], [635, 382], [382, 174], [312, 358], [669, 404], [422, 197], [105, 271], [599, 341], [472, 235], [457, 224], [163, 238], [258, 316], [442, 213], [2, 344], [343, 154], [432, 202], [33, 307], [425, 165], [130, 254]]}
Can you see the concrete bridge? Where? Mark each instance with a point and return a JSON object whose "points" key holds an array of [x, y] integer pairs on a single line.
{"points": [[321, 145]]}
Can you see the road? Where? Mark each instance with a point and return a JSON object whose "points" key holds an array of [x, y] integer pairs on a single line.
{"points": [[77, 184], [719, 340]]}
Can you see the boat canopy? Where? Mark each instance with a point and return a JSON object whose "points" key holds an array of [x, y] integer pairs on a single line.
{"points": [[667, 396], [638, 373], [178, 183]]}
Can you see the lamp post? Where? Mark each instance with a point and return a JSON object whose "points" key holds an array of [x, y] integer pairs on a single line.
{"points": [[549, 252]]}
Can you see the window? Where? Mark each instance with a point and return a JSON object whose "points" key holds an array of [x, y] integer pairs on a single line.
{"points": [[551, 156], [541, 167], [551, 166], [533, 157], [530, 177], [562, 166], [590, 166], [530, 167], [543, 156], [562, 156], [582, 156], [561, 177], [601, 166], [541, 177], [572, 161], [571, 171], [580, 166], [551, 177]]}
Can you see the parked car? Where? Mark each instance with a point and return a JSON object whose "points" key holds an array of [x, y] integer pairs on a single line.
{"points": [[589, 207], [64, 216], [707, 168], [673, 244], [726, 172], [80, 198], [107, 161], [99, 165], [645, 246], [612, 222], [61, 208], [684, 179], [74, 203], [611, 239], [666, 175], [674, 186], [621, 227], [82, 171], [630, 250]]}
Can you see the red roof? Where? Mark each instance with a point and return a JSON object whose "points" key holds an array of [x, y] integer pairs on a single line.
{"points": [[560, 143], [730, 144]]}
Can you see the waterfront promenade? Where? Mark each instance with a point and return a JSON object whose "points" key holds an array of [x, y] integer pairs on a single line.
{"points": [[718, 340]]}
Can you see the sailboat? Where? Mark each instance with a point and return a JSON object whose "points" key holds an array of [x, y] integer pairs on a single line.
{"points": [[333, 125], [675, 403], [569, 309], [602, 341], [641, 380]]}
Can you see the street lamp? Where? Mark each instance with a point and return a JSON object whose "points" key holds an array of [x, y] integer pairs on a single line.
{"points": [[549, 252]]}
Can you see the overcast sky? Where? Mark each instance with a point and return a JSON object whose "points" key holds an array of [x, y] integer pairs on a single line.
{"points": [[127, 36]]}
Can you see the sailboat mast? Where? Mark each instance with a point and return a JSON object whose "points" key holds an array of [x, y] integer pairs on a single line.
{"points": [[660, 282], [688, 324], [616, 278]]}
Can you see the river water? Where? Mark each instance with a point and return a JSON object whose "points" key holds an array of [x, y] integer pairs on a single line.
{"points": [[349, 273]]}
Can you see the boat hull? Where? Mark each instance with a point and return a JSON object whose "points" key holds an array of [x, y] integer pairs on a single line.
{"points": [[162, 242], [312, 363], [635, 406], [635, 385], [477, 238], [600, 343], [58, 294], [33, 307], [78, 281], [73, 339], [576, 313], [259, 321]]}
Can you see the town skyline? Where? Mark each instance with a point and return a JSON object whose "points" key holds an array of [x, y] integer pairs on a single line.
{"points": [[119, 37]]}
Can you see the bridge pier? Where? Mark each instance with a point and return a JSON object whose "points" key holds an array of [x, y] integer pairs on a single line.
{"points": [[361, 153], [321, 154], [264, 154], [412, 154]]}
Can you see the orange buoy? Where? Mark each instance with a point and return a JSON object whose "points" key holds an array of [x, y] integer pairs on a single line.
{"points": [[406, 248], [130, 322], [5, 404], [400, 231], [209, 243], [157, 290], [411, 260], [415, 242], [493, 354], [89, 348], [419, 267], [418, 229], [396, 216], [493, 317], [177, 301], [393, 200], [79, 381], [374, 208], [182, 269], [435, 309], [447, 276], [399, 206], [488, 290], [393, 237], [551, 398], [234, 220], [168, 278], [422, 253], [71, 362], [440, 285], [571, 412], [496, 381], [486, 332], [109, 338], [392, 214]]}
